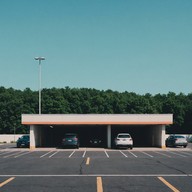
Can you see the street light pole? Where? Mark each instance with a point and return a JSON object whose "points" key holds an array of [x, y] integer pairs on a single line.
{"points": [[39, 59]]}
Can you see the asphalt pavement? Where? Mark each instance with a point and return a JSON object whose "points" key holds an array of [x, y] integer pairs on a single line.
{"points": [[92, 170]]}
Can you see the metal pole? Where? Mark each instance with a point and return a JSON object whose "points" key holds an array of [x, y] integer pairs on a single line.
{"points": [[39, 86], [39, 58]]}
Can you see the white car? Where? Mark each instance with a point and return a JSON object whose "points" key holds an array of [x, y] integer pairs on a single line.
{"points": [[176, 140], [123, 140]]}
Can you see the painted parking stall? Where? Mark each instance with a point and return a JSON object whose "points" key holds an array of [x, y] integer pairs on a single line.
{"points": [[91, 170], [94, 154], [96, 183]]}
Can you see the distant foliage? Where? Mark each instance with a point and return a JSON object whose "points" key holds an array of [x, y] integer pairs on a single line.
{"points": [[67, 100]]}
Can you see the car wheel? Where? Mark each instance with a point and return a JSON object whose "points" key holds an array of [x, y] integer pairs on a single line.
{"points": [[131, 147], [185, 146]]}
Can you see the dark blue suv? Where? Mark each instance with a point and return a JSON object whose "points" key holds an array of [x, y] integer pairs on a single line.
{"points": [[70, 140], [23, 141]]}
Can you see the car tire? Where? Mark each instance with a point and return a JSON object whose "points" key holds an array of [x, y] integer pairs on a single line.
{"points": [[131, 147], [185, 146]]}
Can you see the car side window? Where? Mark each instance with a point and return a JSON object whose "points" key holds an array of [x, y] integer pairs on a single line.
{"points": [[169, 138], [172, 137]]}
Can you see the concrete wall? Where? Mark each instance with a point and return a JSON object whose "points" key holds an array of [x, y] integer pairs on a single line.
{"points": [[9, 138]]}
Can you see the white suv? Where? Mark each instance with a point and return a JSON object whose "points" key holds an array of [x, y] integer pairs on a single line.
{"points": [[124, 140]]}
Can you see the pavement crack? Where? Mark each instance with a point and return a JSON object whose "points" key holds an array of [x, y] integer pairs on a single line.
{"points": [[171, 167], [81, 167]]}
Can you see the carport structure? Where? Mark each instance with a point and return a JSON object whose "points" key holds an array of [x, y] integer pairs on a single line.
{"points": [[47, 130]]}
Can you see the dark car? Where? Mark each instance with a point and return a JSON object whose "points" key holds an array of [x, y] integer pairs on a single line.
{"points": [[70, 140], [176, 140], [23, 141], [95, 142]]}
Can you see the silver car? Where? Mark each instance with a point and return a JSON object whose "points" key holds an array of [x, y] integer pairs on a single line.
{"points": [[176, 140], [123, 140]]}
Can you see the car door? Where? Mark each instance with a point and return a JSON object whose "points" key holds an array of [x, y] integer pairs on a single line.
{"points": [[172, 141]]}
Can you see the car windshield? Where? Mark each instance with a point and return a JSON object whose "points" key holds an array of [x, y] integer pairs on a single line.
{"points": [[123, 136], [25, 137]]}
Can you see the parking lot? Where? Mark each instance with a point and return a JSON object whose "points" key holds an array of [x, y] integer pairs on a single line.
{"points": [[92, 153], [92, 169]]}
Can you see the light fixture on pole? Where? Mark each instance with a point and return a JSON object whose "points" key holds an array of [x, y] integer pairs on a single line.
{"points": [[39, 59]]}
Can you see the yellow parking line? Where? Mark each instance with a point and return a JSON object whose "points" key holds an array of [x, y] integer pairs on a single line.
{"points": [[7, 181], [88, 161], [168, 184], [99, 184]]}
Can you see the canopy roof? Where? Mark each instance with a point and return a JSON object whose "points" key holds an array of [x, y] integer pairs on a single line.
{"points": [[97, 119]]}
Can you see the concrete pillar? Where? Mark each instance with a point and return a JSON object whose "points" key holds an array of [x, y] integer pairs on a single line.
{"points": [[160, 136], [163, 137], [32, 136], [109, 136]]}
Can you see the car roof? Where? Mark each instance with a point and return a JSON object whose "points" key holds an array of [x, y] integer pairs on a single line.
{"points": [[25, 135]]}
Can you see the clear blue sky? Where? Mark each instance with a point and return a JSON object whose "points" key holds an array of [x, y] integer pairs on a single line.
{"points": [[141, 46]]}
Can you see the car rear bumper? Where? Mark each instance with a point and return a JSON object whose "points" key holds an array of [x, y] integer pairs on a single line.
{"points": [[68, 144], [23, 144], [122, 145]]}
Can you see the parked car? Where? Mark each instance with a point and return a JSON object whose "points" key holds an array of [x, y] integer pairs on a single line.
{"points": [[70, 140], [123, 140], [176, 140], [23, 141], [95, 142], [189, 139]]}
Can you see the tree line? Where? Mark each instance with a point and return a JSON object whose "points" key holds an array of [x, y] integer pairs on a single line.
{"points": [[67, 100]]}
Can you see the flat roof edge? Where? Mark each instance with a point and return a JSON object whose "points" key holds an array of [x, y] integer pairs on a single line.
{"points": [[96, 123], [94, 119]]}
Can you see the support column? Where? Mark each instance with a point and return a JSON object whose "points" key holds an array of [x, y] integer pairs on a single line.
{"points": [[109, 136], [163, 136], [32, 137]]}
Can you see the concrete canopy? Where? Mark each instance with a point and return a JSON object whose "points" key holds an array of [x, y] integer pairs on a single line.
{"points": [[97, 119], [153, 124]]}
